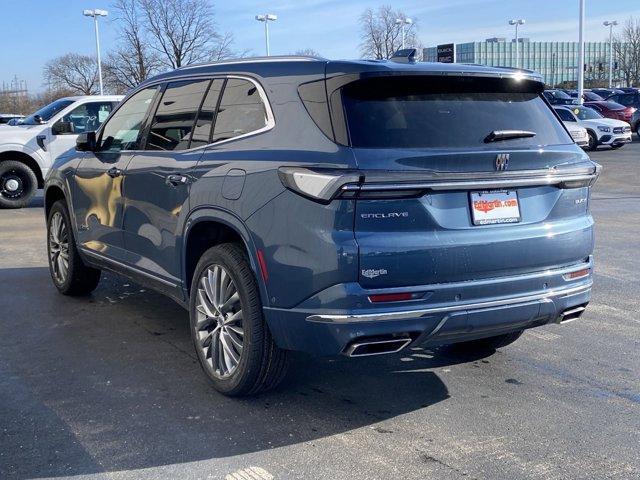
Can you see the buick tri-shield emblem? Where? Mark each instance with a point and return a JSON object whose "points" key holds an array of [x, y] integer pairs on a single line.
{"points": [[502, 161]]}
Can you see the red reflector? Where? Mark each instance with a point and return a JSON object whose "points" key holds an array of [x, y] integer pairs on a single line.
{"points": [[390, 297], [577, 274], [263, 266]]}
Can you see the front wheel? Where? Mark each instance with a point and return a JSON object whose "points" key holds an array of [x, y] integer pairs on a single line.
{"points": [[18, 184], [593, 141], [233, 343], [69, 273]]}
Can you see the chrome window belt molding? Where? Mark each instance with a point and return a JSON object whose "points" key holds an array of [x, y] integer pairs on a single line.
{"points": [[412, 314]]}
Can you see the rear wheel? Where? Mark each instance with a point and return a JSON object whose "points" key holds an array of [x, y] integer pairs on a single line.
{"points": [[18, 184], [233, 343], [489, 344], [593, 141], [69, 273]]}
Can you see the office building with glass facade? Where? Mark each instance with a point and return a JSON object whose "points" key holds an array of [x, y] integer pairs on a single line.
{"points": [[557, 62]]}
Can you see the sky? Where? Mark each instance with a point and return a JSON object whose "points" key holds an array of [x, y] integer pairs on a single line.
{"points": [[35, 31]]}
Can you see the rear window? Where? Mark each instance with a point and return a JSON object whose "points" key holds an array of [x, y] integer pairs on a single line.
{"points": [[445, 112]]}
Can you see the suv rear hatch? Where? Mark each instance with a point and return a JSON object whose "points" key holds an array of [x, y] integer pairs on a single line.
{"points": [[464, 178]]}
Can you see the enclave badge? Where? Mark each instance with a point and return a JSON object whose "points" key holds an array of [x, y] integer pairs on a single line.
{"points": [[502, 162]]}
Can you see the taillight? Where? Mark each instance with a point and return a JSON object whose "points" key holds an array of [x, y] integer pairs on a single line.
{"points": [[321, 185], [576, 274], [393, 297]]}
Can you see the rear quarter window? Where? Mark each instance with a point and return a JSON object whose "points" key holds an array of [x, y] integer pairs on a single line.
{"points": [[440, 112]]}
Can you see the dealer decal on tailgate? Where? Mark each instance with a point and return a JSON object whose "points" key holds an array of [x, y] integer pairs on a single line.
{"points": [[491, 207]]}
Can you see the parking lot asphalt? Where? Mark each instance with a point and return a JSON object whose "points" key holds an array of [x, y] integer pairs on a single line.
{"points": [[108, 386]]}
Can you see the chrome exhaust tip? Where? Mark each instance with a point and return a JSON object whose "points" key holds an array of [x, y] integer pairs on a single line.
{"points": [[367, 348], [571, 314]]}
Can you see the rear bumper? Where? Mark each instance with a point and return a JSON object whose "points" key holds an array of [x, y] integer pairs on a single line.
{"points": [[449, 313]]}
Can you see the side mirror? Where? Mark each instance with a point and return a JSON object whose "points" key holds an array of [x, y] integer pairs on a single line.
{"points": [[62, 128], [37, 119], [86, 142]]}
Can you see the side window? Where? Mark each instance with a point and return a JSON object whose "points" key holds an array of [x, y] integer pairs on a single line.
{"points": [[565, 115], [122, 131], [88, 116], [202, 130], [241, 110], [174, 120]]}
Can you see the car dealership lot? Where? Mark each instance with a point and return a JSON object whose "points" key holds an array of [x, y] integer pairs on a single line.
{"points": [[109, 386]]}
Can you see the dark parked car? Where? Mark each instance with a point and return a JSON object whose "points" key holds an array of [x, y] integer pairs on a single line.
{"points": [[611, 109], [635, 122], [558, 97], [332, 207], [631, 100], [587, 96], [630, 89], [605, 92]]}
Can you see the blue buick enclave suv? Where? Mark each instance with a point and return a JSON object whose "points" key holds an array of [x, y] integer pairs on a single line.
{"points": [[332, 207]]}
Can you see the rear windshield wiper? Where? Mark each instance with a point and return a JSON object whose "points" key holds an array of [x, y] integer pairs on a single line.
{"points": [[499, 135]]}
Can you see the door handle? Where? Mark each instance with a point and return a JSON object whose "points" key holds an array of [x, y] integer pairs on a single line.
{"points": [[176, 180], [114, 172]]}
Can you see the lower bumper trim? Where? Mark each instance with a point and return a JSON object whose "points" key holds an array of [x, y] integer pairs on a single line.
{"points": [[412, 314]]}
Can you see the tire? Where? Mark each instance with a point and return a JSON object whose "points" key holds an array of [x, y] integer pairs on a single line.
{"points": [[593, 142], [638, 129], [489, 344], [18, 184], [220, 322], [69, 273]]}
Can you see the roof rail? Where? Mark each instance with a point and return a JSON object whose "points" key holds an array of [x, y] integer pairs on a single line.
{"points": [[272, 58]]}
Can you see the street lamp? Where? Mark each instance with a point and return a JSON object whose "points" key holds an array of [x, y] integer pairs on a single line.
{"points": [[610, 25], [581, 64], [95, 13], [402, 22], [517, 23], [266, 18]]}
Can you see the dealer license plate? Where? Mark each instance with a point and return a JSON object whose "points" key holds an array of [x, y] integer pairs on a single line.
{"points": [[491, 207]]}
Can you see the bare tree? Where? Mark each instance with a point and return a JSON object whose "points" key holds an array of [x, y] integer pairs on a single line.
{"points": [[132, 61], [626, 52], [308, 52], [381, 37], [73, 72], [183, 31]]}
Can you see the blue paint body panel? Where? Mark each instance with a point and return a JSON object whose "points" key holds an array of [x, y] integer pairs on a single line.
{"points": [[328, 258]]}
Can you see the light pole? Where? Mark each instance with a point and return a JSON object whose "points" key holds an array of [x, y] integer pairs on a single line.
{"points": [[266, 18], [610, 25], [517, 23], [402, 22], [581, 53], [95, 13]]}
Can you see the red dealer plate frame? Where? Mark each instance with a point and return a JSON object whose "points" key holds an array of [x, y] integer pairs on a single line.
{"points": [[491, 207]]}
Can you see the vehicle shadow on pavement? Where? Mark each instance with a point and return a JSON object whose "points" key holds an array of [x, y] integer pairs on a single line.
{"points": [[110, 382]]}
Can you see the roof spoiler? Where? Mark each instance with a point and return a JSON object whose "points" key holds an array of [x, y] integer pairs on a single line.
{"points": [[406, 55]]}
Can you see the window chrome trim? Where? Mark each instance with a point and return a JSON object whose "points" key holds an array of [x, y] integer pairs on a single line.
{"points": [[271, 121]]}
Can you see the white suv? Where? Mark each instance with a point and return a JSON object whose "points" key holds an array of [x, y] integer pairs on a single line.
{"points": [[28, 149], [601, 130]]}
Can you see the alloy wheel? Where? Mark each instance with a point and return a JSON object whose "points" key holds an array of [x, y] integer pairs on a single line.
{"points": [[59, 247], [219, 329]]}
